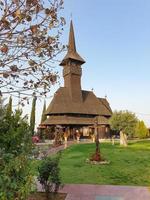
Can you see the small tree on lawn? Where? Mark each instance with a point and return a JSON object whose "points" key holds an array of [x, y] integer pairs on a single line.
{"points": [[123, 122], [49, 175], [141, 130], [32, 117]]}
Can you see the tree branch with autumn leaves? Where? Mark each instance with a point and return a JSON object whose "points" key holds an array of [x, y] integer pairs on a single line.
{"points": [[30, 33]]}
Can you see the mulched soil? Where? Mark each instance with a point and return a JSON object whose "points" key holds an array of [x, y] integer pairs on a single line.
{"points": [[41, 196]]}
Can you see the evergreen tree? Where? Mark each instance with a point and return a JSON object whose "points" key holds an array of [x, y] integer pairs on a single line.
{"points": [[43, 118], [32, 117], [2, 108], [9, 107], [1, 103], [141, 130]]}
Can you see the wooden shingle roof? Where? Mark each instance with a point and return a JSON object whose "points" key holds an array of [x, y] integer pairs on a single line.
{"points": [[91, 105], [75, 120]]}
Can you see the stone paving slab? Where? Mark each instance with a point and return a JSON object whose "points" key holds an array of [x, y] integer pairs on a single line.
{"points": [[55, 150], [108, 198], [105, 192]]}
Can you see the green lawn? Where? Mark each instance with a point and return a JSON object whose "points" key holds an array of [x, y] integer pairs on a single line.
{"points": [[128, 166]]}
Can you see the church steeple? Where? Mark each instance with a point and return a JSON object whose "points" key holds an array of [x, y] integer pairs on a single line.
{"points": [[72, 53], [72, 69], [71, 44]]}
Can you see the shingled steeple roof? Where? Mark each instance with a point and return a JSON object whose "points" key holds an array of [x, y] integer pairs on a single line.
{"points": [[72, 53]]}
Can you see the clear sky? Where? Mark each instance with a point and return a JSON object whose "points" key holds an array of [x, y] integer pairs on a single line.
{"points": [[113, 36]]}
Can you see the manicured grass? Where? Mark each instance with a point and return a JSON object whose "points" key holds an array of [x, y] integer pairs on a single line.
{"points": [[128, 165]]}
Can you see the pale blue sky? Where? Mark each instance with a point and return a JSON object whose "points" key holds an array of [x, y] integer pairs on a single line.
{"points": [[113, 36]]}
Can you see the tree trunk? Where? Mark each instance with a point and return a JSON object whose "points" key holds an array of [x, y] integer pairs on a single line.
{"points": [[123, 139]]}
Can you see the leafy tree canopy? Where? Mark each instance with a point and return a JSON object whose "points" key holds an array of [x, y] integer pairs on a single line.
{"points": [[124, 121]]}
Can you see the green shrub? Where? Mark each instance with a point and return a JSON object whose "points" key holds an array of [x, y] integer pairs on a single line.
{"points": [[49, 175], [141, 130], [15, 147]]}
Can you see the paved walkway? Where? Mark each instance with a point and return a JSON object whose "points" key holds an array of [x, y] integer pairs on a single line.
{"points": [[103, 192], [54, 150]]}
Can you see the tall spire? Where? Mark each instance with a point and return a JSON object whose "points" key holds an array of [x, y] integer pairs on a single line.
{"points": [[71, 44], [72, 53]]}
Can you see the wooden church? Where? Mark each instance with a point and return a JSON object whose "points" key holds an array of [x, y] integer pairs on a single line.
{"points": [[74, 108]]}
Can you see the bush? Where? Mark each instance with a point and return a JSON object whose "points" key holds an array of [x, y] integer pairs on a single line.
{"points": [[49, 175], [141, 130], [15, 147]]}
